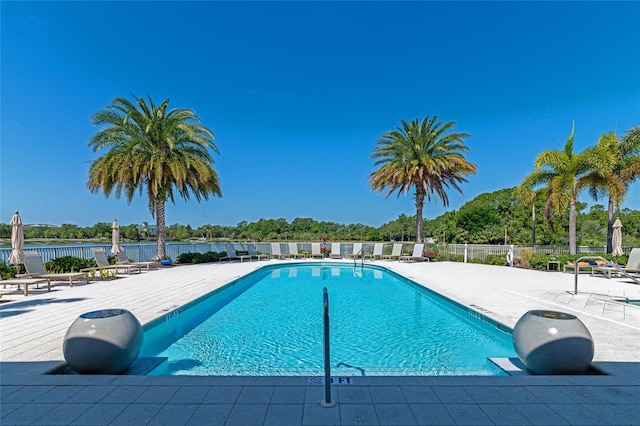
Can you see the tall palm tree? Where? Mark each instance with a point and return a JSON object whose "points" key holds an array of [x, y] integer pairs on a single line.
{"points": [[625, 154], [153, 149], [565, 174], [426, 155]]}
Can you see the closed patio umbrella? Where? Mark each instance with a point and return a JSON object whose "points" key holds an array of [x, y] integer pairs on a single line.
{"points": [[17, 240], [115, 238], [616, 240]]}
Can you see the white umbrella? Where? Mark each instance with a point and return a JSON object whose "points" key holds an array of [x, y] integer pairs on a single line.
{"points": [[616, 240], [115, 238], [17, 240]]}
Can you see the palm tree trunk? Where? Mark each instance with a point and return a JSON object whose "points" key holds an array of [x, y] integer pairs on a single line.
{"points": [[572, 226], [161, 232], [419, 206], [610, 227]]}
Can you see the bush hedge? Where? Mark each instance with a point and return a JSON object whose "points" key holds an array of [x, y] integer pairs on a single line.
{"points": [[207, 257]]}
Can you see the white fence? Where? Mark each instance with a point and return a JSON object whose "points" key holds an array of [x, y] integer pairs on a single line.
{"points": [[141, 252]]}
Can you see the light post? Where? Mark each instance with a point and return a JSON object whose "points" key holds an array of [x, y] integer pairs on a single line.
{"points": [[505, 235]]}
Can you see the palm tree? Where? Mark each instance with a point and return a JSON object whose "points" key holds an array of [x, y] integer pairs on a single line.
{"points": [[156, 150], [565, 175], [625, 154], [426, 155]]}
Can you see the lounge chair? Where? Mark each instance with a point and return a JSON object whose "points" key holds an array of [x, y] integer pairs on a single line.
{"points": [[103, 263], [583, 267], [315, 250], [357, 251], [26, 282], [122, 259], [416, 256], [377, 252], [633, 263], [231, 254], [293, 251], [276, 252], [396, 252], [35, 269], [251, 249], [335, 251]]}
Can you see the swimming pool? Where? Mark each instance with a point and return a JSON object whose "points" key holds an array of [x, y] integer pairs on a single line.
{"points": [[269, 323]]}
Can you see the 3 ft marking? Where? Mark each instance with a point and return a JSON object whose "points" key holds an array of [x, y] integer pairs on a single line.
{"points": [[334, 381]]}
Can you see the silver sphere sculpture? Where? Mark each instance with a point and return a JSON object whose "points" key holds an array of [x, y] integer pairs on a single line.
{"points": [[103, 342]]}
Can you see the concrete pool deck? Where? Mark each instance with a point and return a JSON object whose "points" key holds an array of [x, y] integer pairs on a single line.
{"points": [[32, 329]]}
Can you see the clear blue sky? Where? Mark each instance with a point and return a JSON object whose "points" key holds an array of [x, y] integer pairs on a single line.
{"points": [[298, 93]]}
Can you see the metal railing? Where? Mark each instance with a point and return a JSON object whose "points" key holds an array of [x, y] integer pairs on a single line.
{"points": [[328, 402], [143, 252]]}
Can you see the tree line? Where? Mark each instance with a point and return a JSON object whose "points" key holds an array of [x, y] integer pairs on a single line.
{"points": [[490, 218]]}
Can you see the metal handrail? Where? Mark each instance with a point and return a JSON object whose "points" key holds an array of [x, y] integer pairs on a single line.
{"points": [[576, 270], [327, 403], [355, 257]]}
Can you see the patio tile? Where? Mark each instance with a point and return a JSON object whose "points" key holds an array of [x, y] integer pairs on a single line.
{"points": [[504, 414], [540, 414], [452, 395], [419, 394], [431, 414], [353, 395], [616, 415], [124, 394], [63, 414], [174, 415], [395, 414], [255, 395], [288, 395], [189, 395], [387, 395], [222, 395], [210, 414], [137, 414], [26, 414], [358, 414], [485, 394], [157, 395], [315, 414], [578, 414], [284, 414], [517, 395], [247, 414], [100, 414], [468, 414]]}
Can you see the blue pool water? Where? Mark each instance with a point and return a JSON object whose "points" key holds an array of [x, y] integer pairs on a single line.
{"points": [[270, 323]]}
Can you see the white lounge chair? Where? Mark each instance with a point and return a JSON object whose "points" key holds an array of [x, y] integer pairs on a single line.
{"points": [[231, 254], [357, 251], [26, 282], [416, 256], [100, 255], [633, 263], [122, 259], [315, 250], [35, 269], [293, 251], [335, 251], [275, 251], [253, 252], [396, 252], [377, 252]]}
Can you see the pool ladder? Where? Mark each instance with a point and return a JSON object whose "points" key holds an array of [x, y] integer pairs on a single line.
{"points": [[327, 402], [355, 258], [609, 263]]}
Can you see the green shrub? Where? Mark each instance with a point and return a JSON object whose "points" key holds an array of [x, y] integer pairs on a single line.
{"points": [[207, 257], [7, 271], [68, 264]]}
